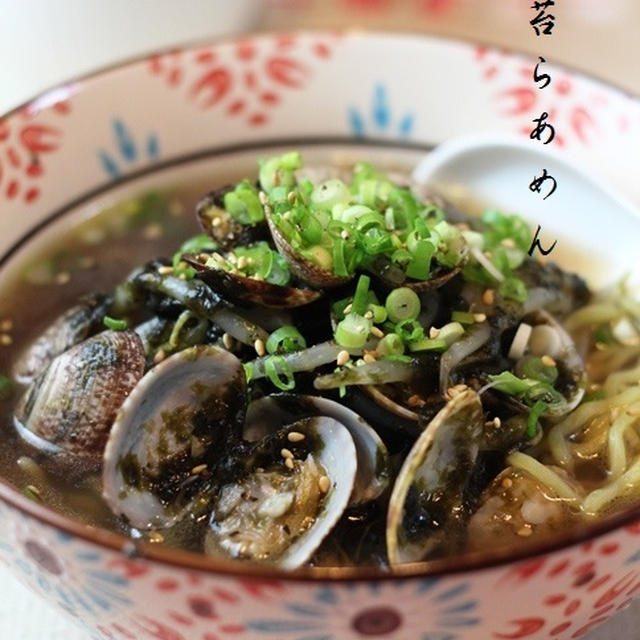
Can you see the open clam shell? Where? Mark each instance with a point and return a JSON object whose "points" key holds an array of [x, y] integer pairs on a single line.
{"points": [[428, 494], [372, 478], [221, 226], [176, 416], [281, 513], [304, 269], [237, 288], [69, 408]]}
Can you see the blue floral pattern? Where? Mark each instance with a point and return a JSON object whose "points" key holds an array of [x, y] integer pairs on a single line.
{"points": [[362, 610], [128, 152], [381, 119]]}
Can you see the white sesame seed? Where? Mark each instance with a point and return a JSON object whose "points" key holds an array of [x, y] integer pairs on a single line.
{"points": [[548, 361], [227, 340], [63, 277], [324, 484], [344, 234], [509, 243], [242, 262], [479, 317], [369, 358], [198, 469], [6, 325], [295, 436], [497, 422], [368, 314], [343, 358], [258, 345], [376, 332], [285, 453], [165, 270], [160, 356], [216, 222], [5, 339], [433, 332], [489, 296], [289, 463], [347, 309], [525, 531]]}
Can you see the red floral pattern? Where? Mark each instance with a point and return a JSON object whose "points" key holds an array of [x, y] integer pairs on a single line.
{"points": [[591, 594], [579, 112], [25, 142], [250, 84]]}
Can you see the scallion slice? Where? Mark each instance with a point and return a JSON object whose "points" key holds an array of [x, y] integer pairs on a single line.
{"points": [[284, 340], [353, 331], [402, 304], [114, 323], [277, 368]]}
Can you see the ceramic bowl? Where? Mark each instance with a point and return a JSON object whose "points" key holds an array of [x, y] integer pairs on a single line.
{"points": [[209, 112]]}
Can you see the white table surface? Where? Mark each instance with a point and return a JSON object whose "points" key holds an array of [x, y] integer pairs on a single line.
{"points": [[85, 34]]}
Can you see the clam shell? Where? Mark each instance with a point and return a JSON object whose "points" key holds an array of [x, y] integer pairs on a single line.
{"points": [[372, 478], [69, 409], [303, 269], [337, 456], [64, 332], [428, 493], [179, 412], [237, 288]]}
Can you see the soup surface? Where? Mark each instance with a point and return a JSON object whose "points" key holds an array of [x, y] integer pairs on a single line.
{"points": [[321, 367]]}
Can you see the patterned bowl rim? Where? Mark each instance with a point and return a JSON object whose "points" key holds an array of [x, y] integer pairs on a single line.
{"points": [[192, 561]]}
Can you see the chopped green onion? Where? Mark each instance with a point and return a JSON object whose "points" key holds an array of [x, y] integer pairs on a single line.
{"points": [[419, 267], [429, 344], [353, 331], [277, 366], [197, 244], [248, 371], [451, 332], [284, 340], [379, 313], [279, 171], [399, 357], [535, 368], [463, 317], [532, 421], [409, 330], [545, 392], [114, 323], [511, 384], [243, 203], [330, 193], [513, 289], [402, 304], [361, 296], [390, 345]]}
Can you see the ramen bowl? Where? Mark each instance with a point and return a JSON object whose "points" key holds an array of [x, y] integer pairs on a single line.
{"points": [[204, 115]]}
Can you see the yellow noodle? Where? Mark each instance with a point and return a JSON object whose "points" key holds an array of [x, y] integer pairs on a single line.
{"points": [[600, 363], [617, 451], [593, 438], [558, 444], [620, 380], [544, 475], [593, 314], [600, 498]]}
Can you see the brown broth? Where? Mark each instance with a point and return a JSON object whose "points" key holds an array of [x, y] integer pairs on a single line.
{"points": [[94, 256]]}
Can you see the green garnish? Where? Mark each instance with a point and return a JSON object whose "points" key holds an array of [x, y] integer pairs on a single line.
{"points": [[513, 289], [451, 332], [535, 368], [243, 203], [532, 421], [390, 345], [463, 317], [409, 330], [353, 331], [284, 340], [361, 296], [402, 304], [509, 383], [429, 344], [114, 324], [279, 372]]}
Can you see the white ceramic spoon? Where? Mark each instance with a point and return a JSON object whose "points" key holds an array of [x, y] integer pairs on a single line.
{"points": [[598, 231]]}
